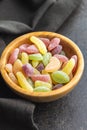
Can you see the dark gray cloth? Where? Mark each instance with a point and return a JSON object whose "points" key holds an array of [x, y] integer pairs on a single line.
{"points": [[16, 18]]}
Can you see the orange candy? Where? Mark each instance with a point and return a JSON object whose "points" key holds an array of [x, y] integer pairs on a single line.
{"points": [[53, 65]]}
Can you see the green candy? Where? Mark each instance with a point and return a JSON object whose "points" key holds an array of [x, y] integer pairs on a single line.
{"points": [[30, 82], [60, 77], [36, 57], [46, 58], [42, 83], [42, 89]]}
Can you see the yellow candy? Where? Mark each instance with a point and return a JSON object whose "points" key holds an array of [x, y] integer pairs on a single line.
{"points": [[24, 58], [53, 65], [17, 66], [39, 44], [23, 81], [35, 63], [44, 72], [69, 66], [36, 71]]}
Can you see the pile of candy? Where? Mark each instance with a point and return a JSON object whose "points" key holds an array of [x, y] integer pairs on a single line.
{"points": [[40, 66]]}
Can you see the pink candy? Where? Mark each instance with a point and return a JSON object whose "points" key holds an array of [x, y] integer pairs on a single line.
{"points": [[46, 41], [32, 49], [13, 57], [56, 50], [45, 77], [62, 58], [53, 43], [23, 47]]}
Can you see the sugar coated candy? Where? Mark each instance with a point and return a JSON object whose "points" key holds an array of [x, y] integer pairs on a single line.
{"points": [[23, 82], [53, 65], [13, 57], [32, 49], [46, 58], [24, 57], [8, 67], [44, 77], [41, 65], [60, 77], [53, 43], [69, 66], [42, 89], [13, 77], [42, 83], [36, 57], [17, 66], [28, 69], [39, 43]]}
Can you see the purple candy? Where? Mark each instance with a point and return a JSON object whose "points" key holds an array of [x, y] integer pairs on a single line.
{"points": [[56, 50], [40, 67], [28, 69]]}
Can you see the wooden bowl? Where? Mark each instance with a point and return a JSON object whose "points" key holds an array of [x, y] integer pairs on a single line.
{"points": [[70, 49]]}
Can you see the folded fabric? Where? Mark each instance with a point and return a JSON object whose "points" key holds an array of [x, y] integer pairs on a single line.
{"points": [[16, 115], [17, 18]]}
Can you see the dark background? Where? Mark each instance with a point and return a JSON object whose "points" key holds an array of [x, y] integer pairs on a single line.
{"points": [[69, 112]]}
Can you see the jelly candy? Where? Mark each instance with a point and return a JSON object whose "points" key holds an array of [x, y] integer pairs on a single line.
{"points": [[30, 82], [42, 89], [60, 77], [46, 58], [57, 86], [36, 57], [44, 77], [28, 69], [62, 53], [32, 49], [39, 44], [22, 48], [17, 66], [40, 67], [35, 63], [13, 78], [45, 40], [8, 67], [53, 43], [62, 58], [69, 66], [75, 58], [13, 57], [24, 57], [23, 82], [36, 71], [53, 65], [41, 83], [56, 50]]}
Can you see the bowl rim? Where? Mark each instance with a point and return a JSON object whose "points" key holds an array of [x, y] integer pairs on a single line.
{"points": [[64, 89]]}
